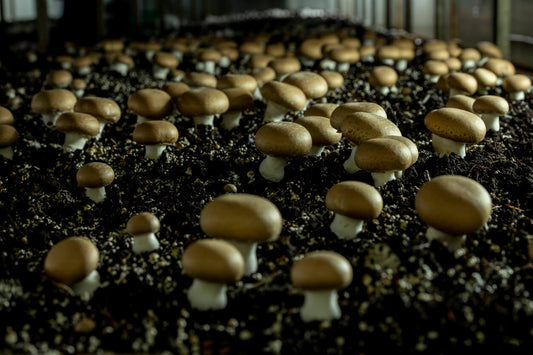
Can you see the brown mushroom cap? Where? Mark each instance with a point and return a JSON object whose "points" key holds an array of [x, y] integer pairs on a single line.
{"points": [[71, 260], [367, 51], [241, 216], [8, 135], [78, 84], [311, 48], [491, 104], [462, 82], [470, 54], [333, 79], [239, 99], [84, 61], [453, 204], [175, 90], [124, 59], [383, 76], [435, 67], [203, 101], [354, 199], [100, 107], [488, 49], [283, 139], [77, 122], [251, 47], [213, 260], [260, 61], [6, 117], [243, 81], [360, 126], [389, 52], [155, 132], [462, 102], [322, 270], [263, 75], [208, 54], [150, 103], [195, 79], [413, 149], [485, 77], [453, 64], [59, 78], [53, 101], [231, 53], [323, 109], [276, 49], [438, 54], [165, 60], [320, 129], [95, 174], [500, 67], [345, 109], [284, 94], [383, 154], [285, 65], [516, 83], [344, 55], [312, 84], [142, 223], [456, 124]]}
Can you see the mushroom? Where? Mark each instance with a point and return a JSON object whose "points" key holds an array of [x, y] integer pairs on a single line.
{"points": [[453, 64], [452, 206], [175, 90], [491, 108], [343, 58], [59, 79], [461, 84], [434, 69], [212, 264], [279, 141], [383, 78], [243, 81], [469, 58], [78, 87], [323, 109], [312, 84], [262, 76], [8, 136], [320, 274], [452, 129], [248, 48], [258, 61], [6, 117], [340, 113], [357, 127], [143, 226], [489, 50], [196, 80], [382, 157], [485, 79], [321, 132], [207, 59], [122, 64], [516, 85], [406, 55], [104, 109], [280, 99], [276, 49], [203, 104], [367, 53], [150, 104], [243, 220], [73, 262], [83, 65], [501, 67], [352, 203], [78, 128], [227, 56], [334, 80], [163, 63], [388, 54], [239, 100], [462, 102], [310, 50], [155, 136], [285, 66], [413, 149], [51, 103], [94, 177]]}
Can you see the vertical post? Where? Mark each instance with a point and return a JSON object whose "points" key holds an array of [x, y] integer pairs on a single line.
{"points": [[136, 16], [440, 19], [374, 14], [363, 12], [408, 14], [502, 26], [100, 26], [388, 12], [453, 19], [161, 15], [42, 25], [399, 14]]}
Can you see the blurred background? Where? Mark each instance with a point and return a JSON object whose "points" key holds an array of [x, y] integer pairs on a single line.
{"points": [[505, 22]]}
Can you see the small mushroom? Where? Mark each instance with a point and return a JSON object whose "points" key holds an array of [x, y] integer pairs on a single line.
{"points": [[406, 55], [243, 81], [59, 79], [203, 104], [73, 262], [388, 55], [343, 58], [490, 108], [285, 66], [469, 58], [489, 50], [310, 50], [262, 76], [352, 202], [453, 206], [143, 226], [516, 86], [122, 64], [212, 264], [163, 63], [340, 113], [320, 274], [280, 99], [323, 109], [94, 177], [51, 103], [207, 59], [413, 149], [321, 132], [383, 78], [8, 136], [83, 64], [155, 135], [453, 128], [244, 220], [280, 141], [334, 79], [107, 111], [6, 117], [150, 104], [78, 128], [462, 102], [501, 67], [239, 100], [461, 84], [485, 80], [434, 69], [312, 84], [78, 87]]}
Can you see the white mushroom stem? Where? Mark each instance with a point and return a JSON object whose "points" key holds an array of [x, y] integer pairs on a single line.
{"points": [[154, 151], [88, 285], [224, 62], [492, 121], [384, 90], [432, 78], [230, 120], [97, 194], [401, 64], [367, 59], [257, 94], [343, 67], [160, 72], [6, 152], [248, 252], [350, 165], [66, 65], [120, 68], [74, 141], [518, 96], [499, 81], [149, 55], [454, 92], [178, 54], [469, 63], [316, 150], [388, 61], [320, 305], [79, 93], [144, 243], [381, 178], [207, 67], [84, 70], [398, 174], [328, 64], [204, 295], [50, 119], [206, 120], [307, 62], [452, 242], [102, 126], [346, 227], [481, 89], [274, 112], [273, 168], [444, 146], [141, 119]]}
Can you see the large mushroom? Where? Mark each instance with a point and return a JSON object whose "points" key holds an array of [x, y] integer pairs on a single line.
{"points": [[383, 78], [312, 84], [78, 128], [104, 109], [52, 103], [239, 100], [150, 104], [280, 99]]}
